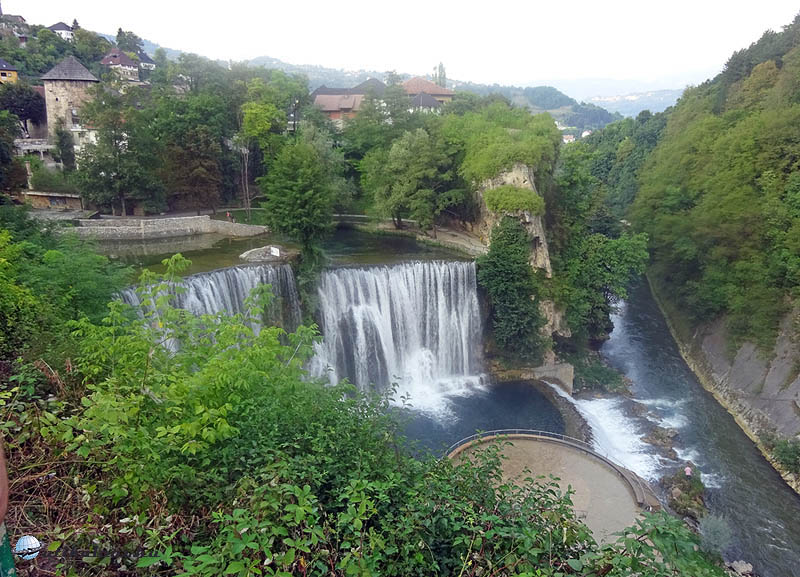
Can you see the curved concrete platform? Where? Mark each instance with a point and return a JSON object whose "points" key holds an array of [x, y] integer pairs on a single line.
{"points": [[607, 497]]}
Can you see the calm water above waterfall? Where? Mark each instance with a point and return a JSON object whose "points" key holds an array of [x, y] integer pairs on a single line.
{"points": [[762, 511]]}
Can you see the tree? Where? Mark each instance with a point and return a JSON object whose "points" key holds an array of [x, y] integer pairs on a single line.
{"points": [[65, 147], [411, 179], [124, 163], [332, 161], [262, 122], [24, 102], [506, 274], [88, 46], [440, 77], [299, 198], [192, 169], [12, 173], [129, 42]]}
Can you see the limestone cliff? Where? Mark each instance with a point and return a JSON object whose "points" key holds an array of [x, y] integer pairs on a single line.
{"points": [[761, 391], [522, 176]]}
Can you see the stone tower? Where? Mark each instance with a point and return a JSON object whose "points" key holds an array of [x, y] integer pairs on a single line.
{"points": [[66, 90]]}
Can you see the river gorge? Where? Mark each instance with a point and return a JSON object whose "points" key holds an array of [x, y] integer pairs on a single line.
{"points": [[394, 313]]}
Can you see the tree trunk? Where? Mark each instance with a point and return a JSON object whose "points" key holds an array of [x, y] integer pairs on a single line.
{"points": [[122, 205]]}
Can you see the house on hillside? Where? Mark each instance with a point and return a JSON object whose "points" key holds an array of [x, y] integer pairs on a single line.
{"points": [[66, 90], [8, 73], [339, 104], [11, 20], [418, 85], [145, 62], [63, 30], [123, 65], [423, 102]]}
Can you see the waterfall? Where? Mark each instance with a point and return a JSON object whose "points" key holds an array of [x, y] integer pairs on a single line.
{"points": [[416, 324], [225, 290]]}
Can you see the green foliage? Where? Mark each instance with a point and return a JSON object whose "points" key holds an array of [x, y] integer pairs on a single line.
{"points": [[688, 501], [718, 194], [23, 102], [593, 374], [45, 49], [547, 97], [65, 148], [47, 180], [787, 453], [47, 280], [514, 199], [513, 289], [593, 260], [12, 173], [499, 136], [299, 197], [411, 179], [129, 42], [122, 167]]}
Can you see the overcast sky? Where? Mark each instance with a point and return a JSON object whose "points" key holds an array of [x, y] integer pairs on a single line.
{"points": [[639, 43]]}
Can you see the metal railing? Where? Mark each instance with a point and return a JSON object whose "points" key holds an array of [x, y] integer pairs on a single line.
{"points": [[638, 486]]}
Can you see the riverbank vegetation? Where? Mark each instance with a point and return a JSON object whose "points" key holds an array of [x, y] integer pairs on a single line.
{"points": [[714, 180]]}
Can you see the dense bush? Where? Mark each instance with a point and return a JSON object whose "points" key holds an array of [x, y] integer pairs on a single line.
{"points": [[514, 199], [497, 137], [46, 180], [787, 453], [506, 275], [47, 279]]}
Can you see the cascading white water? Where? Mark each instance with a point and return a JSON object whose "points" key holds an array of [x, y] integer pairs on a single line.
{"points": [[416, 324], [225, 290]]}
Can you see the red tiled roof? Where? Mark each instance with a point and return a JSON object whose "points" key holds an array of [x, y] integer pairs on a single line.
{"points": [[417, 85]]}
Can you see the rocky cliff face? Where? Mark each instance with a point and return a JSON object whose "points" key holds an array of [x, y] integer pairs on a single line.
{"points": [[521, 176], [761, 391], [764, 390]]}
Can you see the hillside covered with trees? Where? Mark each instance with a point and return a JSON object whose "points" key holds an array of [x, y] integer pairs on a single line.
{"points": [[715, 184]]}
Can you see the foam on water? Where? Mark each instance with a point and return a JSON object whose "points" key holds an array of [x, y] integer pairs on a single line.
{"points": [[616, 435], [415, 325]]}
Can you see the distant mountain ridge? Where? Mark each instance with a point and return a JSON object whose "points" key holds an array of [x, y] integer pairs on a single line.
{"points": [[567, 110], [634, 103]]}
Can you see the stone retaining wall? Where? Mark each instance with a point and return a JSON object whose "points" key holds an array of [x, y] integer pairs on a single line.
{"points": [[150, 228]]}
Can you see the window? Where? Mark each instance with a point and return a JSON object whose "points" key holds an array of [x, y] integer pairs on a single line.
{"points": [[2, 74]]}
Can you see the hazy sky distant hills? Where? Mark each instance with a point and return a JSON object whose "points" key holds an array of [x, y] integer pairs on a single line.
{"points": [[632, 104]]}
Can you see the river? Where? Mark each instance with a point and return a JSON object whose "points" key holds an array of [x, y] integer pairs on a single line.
{"points": [[761, 510]]}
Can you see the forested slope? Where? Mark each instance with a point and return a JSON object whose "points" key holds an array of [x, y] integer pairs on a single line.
{"points": [[715, 184]]}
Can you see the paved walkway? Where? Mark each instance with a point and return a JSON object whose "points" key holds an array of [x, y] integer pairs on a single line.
{"points": [[607, 498]]}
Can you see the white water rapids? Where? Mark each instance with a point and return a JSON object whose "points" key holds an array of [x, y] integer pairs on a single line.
{"points": [[416, 325]]}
